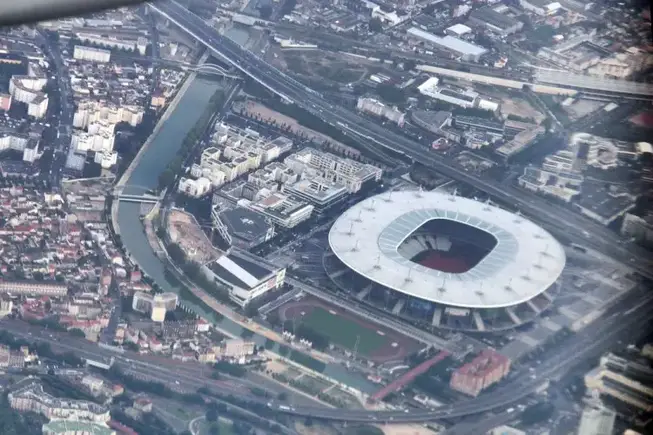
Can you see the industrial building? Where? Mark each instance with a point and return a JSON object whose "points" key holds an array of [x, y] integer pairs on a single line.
{"points": [[458, 47], [463, 98], [444, 261], [494, 19], [244, 278]]}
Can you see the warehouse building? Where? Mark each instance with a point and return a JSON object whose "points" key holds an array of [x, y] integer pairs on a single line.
{"points": [[493, 20], [464, 50]]}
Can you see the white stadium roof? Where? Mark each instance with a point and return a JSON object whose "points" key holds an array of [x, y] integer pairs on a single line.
{"points": [[524, 263]]}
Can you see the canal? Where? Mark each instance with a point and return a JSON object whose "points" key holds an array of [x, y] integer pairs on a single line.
{"points": [[161, 150]]}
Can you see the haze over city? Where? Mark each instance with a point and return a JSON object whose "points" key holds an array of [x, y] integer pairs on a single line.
{"points": [[329, 217]]}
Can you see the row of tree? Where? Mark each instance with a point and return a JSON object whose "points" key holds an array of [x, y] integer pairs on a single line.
{"points": [[169, 175]]}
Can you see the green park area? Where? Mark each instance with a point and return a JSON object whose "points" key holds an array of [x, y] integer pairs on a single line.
{"points": [[344, 332]]}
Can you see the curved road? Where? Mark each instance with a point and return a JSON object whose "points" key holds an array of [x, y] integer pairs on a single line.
{"points": [[552, 216]]}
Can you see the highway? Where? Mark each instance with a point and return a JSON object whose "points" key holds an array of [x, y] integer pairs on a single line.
{"points": [[551, 216], [522, 383]]}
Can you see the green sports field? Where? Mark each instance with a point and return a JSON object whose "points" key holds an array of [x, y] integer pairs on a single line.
{"points": [[343, 331]]}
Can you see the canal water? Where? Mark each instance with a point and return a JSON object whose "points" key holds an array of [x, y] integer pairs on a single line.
{"points": [[162, 149]]}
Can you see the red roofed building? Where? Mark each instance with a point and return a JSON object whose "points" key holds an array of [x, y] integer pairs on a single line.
{"points": [[488, 368]]}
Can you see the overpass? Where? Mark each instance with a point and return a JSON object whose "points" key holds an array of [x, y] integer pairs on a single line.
{"points": [[360, 128]]}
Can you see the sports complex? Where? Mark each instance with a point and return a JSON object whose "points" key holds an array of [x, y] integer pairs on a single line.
{"points": [[444, 261]]}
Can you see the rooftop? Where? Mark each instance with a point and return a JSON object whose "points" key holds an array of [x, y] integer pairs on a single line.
{"points": [[525, 262]]}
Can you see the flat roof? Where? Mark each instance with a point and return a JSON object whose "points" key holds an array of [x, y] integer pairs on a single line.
{"points": [[448, 42], [525, 262]]}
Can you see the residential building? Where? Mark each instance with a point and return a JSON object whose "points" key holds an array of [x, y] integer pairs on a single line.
{"points": [[540, 7], [73, 427], [596, 420], [194, 188], [155, 305], [33, 398], [520, 142], [486, 369], [5, 102], [101, 142], [282, 210], [377, 108], [639, 228], [44, 288], [237, 348], [353, 175], [89, 112], [317, 191], [106, 159], [92, 54]]}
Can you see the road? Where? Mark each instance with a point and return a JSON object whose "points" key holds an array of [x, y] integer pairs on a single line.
{"points": [[523, 383], [551, 216], [64, 129]]}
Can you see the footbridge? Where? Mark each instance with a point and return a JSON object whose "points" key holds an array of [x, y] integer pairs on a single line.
{"points": [[135, 193]]}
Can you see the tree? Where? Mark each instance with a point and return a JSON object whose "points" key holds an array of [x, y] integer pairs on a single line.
{"points": [[212, 415], [375, 25], [409, 65], [76, 332], [214, 429], [265, 11], [166, 178]]}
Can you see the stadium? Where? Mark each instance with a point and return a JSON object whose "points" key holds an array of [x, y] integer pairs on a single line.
{"points": [[444, 261]]}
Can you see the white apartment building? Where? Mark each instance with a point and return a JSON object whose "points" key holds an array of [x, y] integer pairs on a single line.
{"points": [[377, 108], [101, 142], [194, 188], [26, 88], [36, 288], [336, 169], [130, 44], [155, 305], [597, 420], [282, 210], [106, 159], [91, 54], [32, 398], [89, 112], [237, 348], [29, 90]]}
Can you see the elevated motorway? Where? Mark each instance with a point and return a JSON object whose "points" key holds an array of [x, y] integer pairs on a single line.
{"points": [[291, 90]]}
